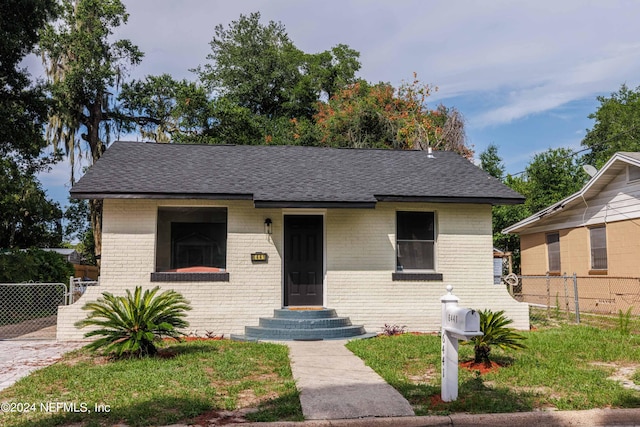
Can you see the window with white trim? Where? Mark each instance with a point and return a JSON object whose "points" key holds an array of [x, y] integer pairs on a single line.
{"points": [[415, 241], [598, 244], [553, 252]]}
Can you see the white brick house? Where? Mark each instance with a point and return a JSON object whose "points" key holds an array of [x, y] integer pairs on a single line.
{"points": [[374, 234]]}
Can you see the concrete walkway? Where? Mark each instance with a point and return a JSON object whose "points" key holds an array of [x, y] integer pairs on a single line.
{"points": [[335, 384], [19, 358]]}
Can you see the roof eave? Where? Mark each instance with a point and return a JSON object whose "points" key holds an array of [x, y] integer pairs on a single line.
{"points": [[559, 206], [181, 196], [453, 199], [292, 204]]}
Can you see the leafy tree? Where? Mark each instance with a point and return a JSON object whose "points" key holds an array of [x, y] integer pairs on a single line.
{"points": [[34, 265], [359, 116], [552, 176], [452, 135], [258, 88], [333, 69], [165, 110], [504, 216], [131, 325], [616, 128], [365, 115], [23, 106], [84, 65], [27, 217], [259, 68], [491, 162], [254, 66], [78, 228], [496, 333]]}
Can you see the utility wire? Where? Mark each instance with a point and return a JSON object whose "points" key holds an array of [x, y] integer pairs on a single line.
{"points": [[599, 145]]}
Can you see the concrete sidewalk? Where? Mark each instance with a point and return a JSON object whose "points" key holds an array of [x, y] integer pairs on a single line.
{"points": [[19, 358], [336, 384]]}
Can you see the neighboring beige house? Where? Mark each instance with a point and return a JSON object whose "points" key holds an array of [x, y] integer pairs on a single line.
{"points": [[241, 231], [594, 232]]}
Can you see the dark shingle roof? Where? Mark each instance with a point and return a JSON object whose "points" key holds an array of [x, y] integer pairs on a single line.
{"points": [[281, 176]]}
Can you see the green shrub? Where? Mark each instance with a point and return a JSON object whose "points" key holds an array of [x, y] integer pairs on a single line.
{"points": [[131, 325], [496, 333], [34, 265]]}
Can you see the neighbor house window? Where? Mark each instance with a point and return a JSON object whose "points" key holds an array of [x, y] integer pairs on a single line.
{"points": [[415, 245], [598, 237], [194, 238], [553, 252], [633, 172]]}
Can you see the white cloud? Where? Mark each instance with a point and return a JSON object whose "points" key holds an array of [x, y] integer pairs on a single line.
{"points": [[566, 50]]}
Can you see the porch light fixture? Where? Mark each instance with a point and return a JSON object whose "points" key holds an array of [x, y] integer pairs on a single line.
{"points": [[267, 226]]}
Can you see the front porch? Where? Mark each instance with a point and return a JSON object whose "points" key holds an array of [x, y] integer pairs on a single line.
{"points": [[306, 324]]}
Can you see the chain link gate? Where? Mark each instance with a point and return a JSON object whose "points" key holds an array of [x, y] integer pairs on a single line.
{"points": [[30, 310]]}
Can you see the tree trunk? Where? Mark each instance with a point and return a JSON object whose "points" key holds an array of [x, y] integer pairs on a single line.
{"points": [[96, 225], [97, 150]]}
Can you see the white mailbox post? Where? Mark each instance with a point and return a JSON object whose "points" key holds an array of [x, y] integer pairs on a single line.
{"points": [[457, 324]]}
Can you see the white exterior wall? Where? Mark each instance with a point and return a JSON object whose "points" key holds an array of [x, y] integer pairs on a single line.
{"points": [[128, 259], [360, 260], [363, 289]]}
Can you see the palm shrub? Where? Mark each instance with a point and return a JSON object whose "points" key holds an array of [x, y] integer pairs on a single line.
{"points": [[131, 325], [496, 333]]}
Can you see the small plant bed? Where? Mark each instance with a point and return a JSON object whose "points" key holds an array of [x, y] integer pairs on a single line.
{"points": [[208, 336], [568, 367], [218, 380], [481, 367], [191, 339]]}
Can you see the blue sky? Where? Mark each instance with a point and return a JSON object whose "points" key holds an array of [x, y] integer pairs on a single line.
{"points": [[525, 74]]}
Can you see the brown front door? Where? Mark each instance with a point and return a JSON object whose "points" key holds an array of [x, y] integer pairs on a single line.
{"points": [[303, 260]]}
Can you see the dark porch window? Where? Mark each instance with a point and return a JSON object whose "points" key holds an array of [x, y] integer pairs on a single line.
{"points": [[191, 237]]}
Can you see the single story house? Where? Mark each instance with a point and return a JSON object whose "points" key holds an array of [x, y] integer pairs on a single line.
{"points": [[594, 232], [241, 231]]}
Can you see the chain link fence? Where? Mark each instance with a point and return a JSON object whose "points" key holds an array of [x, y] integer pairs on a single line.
{"points": [[573, 297], [30, 310]]}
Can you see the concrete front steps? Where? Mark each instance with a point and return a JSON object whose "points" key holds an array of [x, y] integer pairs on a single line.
{"points": [[304, 325]]}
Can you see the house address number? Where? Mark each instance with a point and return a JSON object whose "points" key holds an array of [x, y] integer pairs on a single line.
{"points": [[259, 257]]}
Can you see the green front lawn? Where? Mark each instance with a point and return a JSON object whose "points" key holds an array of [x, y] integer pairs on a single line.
{"points": [[565, 368], [192, 379]]}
